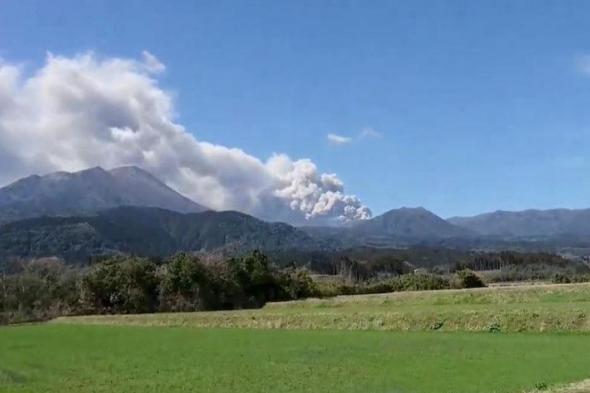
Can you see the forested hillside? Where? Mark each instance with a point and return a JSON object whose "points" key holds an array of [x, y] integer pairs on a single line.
{"points": [[148, 232]]}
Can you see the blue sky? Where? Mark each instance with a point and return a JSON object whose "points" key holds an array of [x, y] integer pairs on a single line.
{"points": [[479, 105]]}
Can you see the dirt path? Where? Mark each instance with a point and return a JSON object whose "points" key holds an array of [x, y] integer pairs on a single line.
{"points": [[578, 387]]}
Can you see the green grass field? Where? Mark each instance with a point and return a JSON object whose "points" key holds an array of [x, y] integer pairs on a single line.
{"points": [[416, 342], [533, 308], [76, 358]]}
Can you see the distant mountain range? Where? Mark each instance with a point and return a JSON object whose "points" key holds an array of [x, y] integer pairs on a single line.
{"points": [[529, 223], [87, 192], [128, 210]]}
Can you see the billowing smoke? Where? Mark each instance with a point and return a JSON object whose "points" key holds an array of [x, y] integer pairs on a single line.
{"points": [[80, 112]]}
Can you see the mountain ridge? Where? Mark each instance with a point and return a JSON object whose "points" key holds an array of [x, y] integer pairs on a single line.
{"points": [[410, 223], [528, 223], [96, 199], [148, 231], [87, 192]]}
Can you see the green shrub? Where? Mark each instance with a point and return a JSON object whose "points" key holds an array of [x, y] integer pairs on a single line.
{"points": [[540, 272], [44, 289], [380, 287], [298, 284], [560, 278], [121, 285], [406, 282], [419, 282], [541, 386], [184, 284], [570, 278], [467, 279]]}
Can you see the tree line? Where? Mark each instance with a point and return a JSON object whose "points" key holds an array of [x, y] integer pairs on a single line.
{"points": [[504, 259], [43, 289], [48, 288]]}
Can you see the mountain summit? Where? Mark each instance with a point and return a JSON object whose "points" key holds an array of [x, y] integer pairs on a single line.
{"points": [[87, 192], [409, 224]]}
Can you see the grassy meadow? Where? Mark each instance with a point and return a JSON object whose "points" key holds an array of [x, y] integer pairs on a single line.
{"points": [[76, 358], [491, 340], [529, 308]]}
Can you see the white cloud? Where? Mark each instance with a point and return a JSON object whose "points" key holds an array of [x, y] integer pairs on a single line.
{"points": [[366, 132], [369, 132], [152, 63], [338, 139], [79, 112]]}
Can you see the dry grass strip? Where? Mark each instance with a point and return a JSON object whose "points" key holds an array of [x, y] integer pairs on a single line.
{"points": [[576, 387]]}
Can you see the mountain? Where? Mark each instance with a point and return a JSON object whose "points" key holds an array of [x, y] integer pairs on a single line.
{"points": [[87, 192], [148, 232], [407, 225], [555, 223], [127, 209]]}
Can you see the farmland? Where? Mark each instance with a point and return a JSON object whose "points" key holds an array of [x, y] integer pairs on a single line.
{"points": [[76, 358], [490, 340], [531, 308]]}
